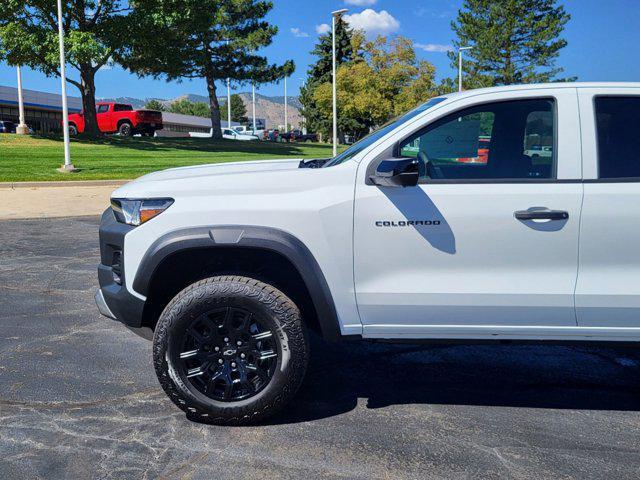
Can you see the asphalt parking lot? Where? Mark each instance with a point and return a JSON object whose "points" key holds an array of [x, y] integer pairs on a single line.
{"points": [[79, 398]]}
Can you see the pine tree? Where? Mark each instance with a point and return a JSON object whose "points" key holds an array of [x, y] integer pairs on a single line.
{"points": [[210, 39], [513, 41], [238, 109]]}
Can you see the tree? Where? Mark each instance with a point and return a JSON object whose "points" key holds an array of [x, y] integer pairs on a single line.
{"points": [[210, 39], [154, 104], [95, 31], [514, 41], [320, 72], [187, 107], [238, 110], [384, 80]]}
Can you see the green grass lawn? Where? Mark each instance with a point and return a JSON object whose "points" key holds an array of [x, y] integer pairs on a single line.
{"points": [[27, 158]]}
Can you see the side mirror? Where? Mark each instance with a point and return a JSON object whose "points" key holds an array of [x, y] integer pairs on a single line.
{"points": [[397, 172]]}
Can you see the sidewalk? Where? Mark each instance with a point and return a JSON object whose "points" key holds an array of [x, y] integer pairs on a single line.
{"points": [[55, 199]]}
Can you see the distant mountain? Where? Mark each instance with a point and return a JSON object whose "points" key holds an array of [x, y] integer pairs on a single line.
{"points": [[192, 97], [135, 102], [271, 109], [291, 101]]}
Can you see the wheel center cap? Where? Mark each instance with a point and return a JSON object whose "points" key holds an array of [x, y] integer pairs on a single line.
{"points": [[229, 352]]}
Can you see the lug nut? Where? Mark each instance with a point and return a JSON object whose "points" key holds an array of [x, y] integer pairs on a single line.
{"points": [[226, 339], [217, 349], [233, 365], [220, 361], [242, 355], [239, 342]]}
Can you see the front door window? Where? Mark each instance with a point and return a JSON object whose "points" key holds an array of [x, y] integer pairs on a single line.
{"points": [[504, 140]]}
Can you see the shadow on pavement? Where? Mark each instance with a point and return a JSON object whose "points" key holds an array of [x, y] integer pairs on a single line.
{"points": [[532, 376]]}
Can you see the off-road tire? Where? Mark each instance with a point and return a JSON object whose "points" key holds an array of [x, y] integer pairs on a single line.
{"points": [[273, 306], [125, 129]]}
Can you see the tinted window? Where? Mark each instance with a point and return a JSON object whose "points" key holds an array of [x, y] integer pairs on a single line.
{"points": [[505, 140], [103, 108], [122, 108], [618, 127]]}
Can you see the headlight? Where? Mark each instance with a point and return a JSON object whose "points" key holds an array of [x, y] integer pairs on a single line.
{"points": [[137, 212]]}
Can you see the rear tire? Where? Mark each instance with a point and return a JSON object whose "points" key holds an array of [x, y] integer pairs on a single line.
{"points": [[125, 129], [230, 350], [73, 130]]}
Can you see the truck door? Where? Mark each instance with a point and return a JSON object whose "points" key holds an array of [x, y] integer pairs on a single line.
{"points": [[608, 291], [487, 243], [104, 122]]}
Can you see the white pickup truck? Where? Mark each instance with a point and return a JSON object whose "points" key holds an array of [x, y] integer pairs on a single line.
{"points": [[438, 226]]}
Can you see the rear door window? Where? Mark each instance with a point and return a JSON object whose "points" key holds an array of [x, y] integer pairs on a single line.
{"points": [[618, 133]]}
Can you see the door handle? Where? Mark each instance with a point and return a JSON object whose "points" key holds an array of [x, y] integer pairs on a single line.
{"points": [[541, 215]]}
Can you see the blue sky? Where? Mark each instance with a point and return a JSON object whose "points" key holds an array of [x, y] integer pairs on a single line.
{"points": [[603, 43]]}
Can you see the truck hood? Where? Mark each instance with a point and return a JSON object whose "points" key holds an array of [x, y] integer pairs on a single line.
{"points": [[202, 171], [226, 177]]}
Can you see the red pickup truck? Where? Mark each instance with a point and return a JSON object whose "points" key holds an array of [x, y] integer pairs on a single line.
{"points": [[120, 118]]}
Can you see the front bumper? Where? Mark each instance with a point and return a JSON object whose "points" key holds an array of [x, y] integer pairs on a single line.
{"points": [[103, 308], [113, 298]]}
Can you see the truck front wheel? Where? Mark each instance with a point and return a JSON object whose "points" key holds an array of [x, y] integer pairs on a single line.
{"points": [[230, 350], [125, 129]]}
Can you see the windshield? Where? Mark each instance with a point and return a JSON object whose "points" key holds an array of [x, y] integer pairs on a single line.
{"points": [[373, 137]]}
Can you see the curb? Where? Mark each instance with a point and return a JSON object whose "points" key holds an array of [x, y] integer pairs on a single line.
{"points": [[62, 183]]}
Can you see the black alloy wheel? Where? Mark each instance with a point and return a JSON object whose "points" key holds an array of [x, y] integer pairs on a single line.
{"points": [[228, 354]]}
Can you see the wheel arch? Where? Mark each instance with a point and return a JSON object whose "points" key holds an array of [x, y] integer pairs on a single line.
{"points": [[268, 254]]}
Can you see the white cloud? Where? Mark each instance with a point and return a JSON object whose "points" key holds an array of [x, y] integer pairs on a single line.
{"points": [[323, 28], [433, 47], [373, 22], [299, 33], [360, 3]]}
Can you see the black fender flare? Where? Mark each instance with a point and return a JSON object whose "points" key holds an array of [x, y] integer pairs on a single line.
{"points": [[265, 238]]}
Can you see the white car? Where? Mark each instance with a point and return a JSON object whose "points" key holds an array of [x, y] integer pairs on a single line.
{"points": [[231, 134], [229, 265], [539, 151]]}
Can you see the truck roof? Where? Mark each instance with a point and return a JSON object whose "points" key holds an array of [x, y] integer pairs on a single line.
{"points": [[543, 86]]}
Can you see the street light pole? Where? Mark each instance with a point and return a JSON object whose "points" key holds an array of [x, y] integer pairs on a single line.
{"points": [[253, 106], [304, 121], [22, 128], [460, 49], [68, 166], [334, 17], [228, 102], [286, 122]]}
